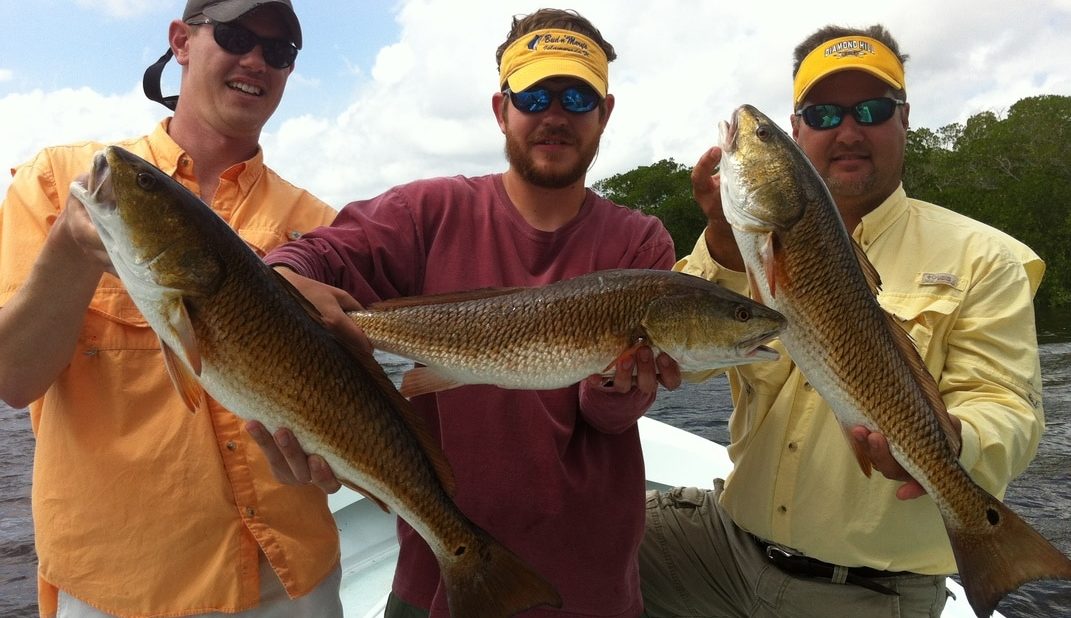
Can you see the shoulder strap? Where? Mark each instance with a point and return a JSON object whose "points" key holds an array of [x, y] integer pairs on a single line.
{"points": [[150, 83]]}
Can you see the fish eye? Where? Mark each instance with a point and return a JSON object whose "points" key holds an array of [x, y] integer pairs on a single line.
{"points": [[743, 314], [762, 132], [146, 181]]}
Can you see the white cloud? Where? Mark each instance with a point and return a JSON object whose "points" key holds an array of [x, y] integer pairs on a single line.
{"points": [[6, 75], [32, 120], [423, 108], [683, 66]]}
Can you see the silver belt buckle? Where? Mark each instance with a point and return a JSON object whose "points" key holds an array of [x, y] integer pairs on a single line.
{"points": [[771, 549]]}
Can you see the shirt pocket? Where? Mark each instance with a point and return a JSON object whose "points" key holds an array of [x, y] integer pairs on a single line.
{"points": [[927, 318], [114, 322]]}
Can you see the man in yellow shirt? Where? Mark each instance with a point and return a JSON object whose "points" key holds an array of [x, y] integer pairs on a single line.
{"points": [[855, 546], [141, 508]]}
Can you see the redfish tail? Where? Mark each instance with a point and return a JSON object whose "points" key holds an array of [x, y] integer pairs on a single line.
{"points": [[492, 582], [1008, 555]]}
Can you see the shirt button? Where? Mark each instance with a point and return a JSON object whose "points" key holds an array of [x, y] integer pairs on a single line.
{"points": [[792, 446], [232, 445], [807, 386], [782, 509], [293, 234], [250, 511]]}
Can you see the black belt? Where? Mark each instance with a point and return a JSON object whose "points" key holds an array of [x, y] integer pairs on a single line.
{"points": [[798, 564]]}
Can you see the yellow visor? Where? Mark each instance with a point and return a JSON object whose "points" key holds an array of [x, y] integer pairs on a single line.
{"points": [[553, 53], [859, 53]]}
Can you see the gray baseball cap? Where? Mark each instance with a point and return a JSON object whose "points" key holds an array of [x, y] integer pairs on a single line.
{"points": [[230, 10]]}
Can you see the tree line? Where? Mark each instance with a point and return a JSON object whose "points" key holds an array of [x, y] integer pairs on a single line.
{"points": [[1011, 171]]}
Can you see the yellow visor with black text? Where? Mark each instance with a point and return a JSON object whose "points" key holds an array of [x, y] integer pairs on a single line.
{"points": [[553, 53], [858, 53]]}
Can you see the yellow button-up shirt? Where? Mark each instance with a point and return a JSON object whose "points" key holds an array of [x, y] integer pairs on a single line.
{"points": [[141, 508], [964, 291]]}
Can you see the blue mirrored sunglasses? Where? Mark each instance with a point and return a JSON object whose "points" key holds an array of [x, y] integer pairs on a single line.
{"points": [[579, 99], [235, 39], [867, 113]]}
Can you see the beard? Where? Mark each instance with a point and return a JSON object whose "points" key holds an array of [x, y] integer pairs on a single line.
{"points": [[851, 188], [520, 159]]}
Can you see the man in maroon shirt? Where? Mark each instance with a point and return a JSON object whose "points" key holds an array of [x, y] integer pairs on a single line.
{"points": [[556, 476]]}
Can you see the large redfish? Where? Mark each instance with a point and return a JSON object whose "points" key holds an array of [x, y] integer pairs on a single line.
{"points": [[558, 334], [231, 325], [802, 262]]}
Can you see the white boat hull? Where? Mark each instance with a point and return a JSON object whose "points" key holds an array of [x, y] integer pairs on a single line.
{"points": [[673, 458]]}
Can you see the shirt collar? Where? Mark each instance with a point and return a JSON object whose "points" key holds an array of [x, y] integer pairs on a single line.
{"points": [[173, 160], [877, 221], [166, 153]]}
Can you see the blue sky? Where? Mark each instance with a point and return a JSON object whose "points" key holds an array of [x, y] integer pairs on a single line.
{"points": [[386, 92]]}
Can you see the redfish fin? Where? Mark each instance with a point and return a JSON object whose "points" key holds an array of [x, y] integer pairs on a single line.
{"points": [[309, 308], [910, 353], [178, 319], [999, 560], [441, 299], [185, 382], [366, 494], [414, 421], [925, 380], [873, 279], [625, 354], [491, 582], [769, 263], [859, 450], [753, 284], [423, 380]]}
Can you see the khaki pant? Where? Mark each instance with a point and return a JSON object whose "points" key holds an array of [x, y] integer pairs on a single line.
{"points": [[694, 561]]}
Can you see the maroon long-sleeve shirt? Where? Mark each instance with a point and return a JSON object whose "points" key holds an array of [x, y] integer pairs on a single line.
{"points": [[556, 476]]}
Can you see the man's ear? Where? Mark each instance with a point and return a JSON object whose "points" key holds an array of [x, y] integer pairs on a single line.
{"points": [[178, 36], [499, 101], [608, 108]]}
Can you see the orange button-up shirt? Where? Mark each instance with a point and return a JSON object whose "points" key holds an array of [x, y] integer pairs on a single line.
{"points": [[140, 507]]}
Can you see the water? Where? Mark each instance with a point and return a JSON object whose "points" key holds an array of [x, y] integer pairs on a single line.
{"points": [[1041, 495], [18, 562]]}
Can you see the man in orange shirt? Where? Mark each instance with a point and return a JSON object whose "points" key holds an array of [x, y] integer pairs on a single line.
{"points": [[141, 508]]}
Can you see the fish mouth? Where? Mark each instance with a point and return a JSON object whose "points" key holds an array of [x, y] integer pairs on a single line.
{"points": [[753, 348], [99, 184], [96, 191], [762, 352], [727, 133]]}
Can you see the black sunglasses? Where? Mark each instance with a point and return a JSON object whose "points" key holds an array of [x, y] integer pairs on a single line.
{"points": [[867, 113], [579, 99], [235, 39]]}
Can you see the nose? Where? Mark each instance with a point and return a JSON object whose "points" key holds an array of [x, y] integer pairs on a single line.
{"points": [[849, 131], [254, 59]]}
